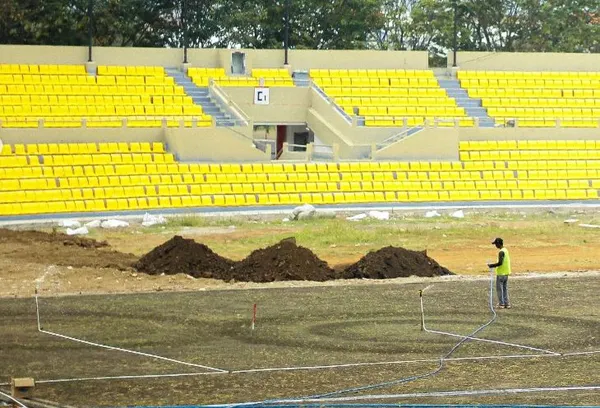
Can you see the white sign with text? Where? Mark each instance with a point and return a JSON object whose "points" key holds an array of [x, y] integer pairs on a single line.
{"points": [[261, 96]]}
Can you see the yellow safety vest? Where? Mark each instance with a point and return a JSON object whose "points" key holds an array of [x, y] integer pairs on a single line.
{"points": [[504, 269]]}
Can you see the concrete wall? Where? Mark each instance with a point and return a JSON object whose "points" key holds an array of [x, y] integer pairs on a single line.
{"points": [[170, 57], [429, 144], [306, 59], [287, 105], [42, 54], [44, 135], [527, 133], [521, 61], [351, 134], [212, 144]]}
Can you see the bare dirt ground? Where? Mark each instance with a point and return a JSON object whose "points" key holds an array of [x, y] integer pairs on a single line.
{"points": [[305, 327], [539, 243], [348, 320]]}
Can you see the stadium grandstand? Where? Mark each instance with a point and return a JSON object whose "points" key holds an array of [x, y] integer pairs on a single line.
{"points": [[137, 130]]}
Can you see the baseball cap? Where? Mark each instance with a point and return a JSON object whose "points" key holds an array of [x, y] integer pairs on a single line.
{"points": [[498, 241]]}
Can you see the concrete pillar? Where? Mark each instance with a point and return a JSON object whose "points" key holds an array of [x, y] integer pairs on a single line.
{"points": [[336, 151], [310, 148], [91, 67]]}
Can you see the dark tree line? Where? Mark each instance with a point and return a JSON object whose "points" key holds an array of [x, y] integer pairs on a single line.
{"points": [[483, 25]]}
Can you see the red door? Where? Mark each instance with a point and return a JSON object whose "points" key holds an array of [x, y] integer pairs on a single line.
{"points": [[281, 135]]}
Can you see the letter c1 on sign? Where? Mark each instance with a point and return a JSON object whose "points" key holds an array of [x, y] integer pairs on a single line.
{"points": [[261, 96]]}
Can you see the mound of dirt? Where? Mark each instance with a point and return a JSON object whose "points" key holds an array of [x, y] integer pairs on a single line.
{"points": [[28, 236], [56, 248], [181, 255], [282, 262], [394, 262]]}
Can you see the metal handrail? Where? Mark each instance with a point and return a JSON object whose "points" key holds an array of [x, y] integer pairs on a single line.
{"points": [[220, 94], [329, 100], [398, 136]]}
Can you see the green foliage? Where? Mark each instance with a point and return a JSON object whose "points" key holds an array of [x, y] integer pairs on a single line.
{"points": [[483, 25]]}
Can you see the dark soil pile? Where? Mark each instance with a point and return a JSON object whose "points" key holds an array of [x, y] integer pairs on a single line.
{"points": [[394, 262], [282, 262], [60, 249], [181, 255], [49, 237]]}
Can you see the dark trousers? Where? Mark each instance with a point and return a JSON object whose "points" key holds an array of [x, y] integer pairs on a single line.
{"points": [[502, 289]]}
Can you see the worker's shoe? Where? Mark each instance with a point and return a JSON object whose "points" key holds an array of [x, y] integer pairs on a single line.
{"points": [[507, 306], [499, 306]]}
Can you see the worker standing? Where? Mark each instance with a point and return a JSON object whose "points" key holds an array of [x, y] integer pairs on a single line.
{"points": [[502, 272]]}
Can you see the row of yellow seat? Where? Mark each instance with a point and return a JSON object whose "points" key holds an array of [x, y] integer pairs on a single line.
{"points": [[533, 93], [91, 90], [532, 83], [548, 123], [529, 145], [102, 176], [561, 155], [429, 111], [81, 148], [106, 122], [140, 174], [379, 82], [460, 121], [132, 70], [104, 158], [385, 92], [244, 82], [95, 100], [43, 111], [527, 75], [84, 80], [542, 102], [206, 72], [547, 113], [70, 193], [372, 73], [270, 73], [234, 200], [401, 101], [42, 69], [269, 77]]}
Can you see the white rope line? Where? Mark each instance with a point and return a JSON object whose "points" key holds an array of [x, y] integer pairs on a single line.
{"points": [[581, 353], [319, 367], [310, 368], [491, 341], [19, 403], [480, 339], [89, 343], [455, 393], [129, 377], [139, 353]]}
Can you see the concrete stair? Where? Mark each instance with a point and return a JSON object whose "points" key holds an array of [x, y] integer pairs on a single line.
{"points": [[472, 106], [202, 97]]}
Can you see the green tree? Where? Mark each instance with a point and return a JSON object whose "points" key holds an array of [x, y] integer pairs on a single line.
{"points": [[314, 24]]}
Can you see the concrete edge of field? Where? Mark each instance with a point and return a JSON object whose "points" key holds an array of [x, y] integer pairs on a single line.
{"points": [[286, 210]]}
